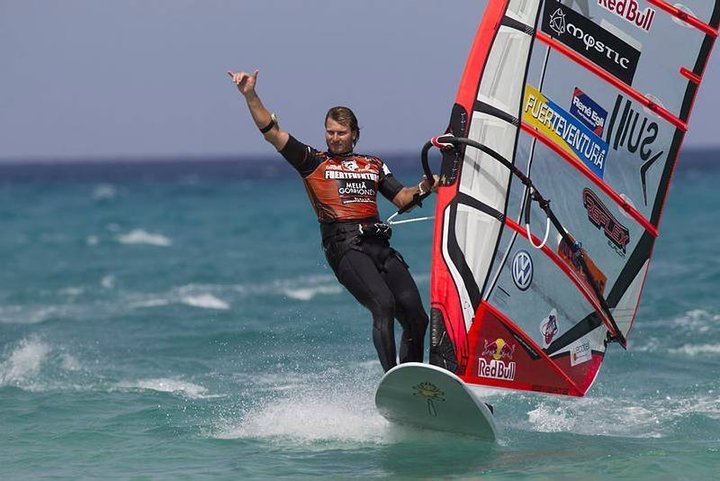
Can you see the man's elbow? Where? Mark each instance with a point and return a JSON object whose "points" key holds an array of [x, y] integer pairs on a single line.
{"points": [[278, 138]]}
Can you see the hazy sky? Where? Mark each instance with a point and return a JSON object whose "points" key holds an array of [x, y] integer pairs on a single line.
{"points": [[89, 78]]}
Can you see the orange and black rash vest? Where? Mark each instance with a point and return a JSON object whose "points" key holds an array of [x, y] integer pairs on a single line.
{"points": [[341, 187]]}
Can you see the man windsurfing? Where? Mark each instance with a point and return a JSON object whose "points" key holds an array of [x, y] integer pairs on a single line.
{"points": [[343, 187]]}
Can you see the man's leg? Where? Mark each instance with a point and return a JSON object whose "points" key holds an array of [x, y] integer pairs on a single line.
{"points": [[358, 273], [408, 309]]}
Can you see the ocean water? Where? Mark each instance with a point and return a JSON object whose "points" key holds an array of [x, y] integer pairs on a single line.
{"points": [[164, 321]]}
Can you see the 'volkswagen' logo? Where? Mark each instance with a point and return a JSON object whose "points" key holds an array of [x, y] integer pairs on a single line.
{"points": [[522, 270], [557, 21]]}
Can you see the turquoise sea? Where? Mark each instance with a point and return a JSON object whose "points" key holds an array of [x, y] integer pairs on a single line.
{"points": [[176, 321]]}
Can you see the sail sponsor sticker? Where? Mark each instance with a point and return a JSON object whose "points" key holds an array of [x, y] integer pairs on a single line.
{"points": [[580, 353], [549, 328], [630, 11], [522, 270], [590, 40], [565, 252], [500, 365], [600, 216], [587, 111], [564, 130], [634, 132]]}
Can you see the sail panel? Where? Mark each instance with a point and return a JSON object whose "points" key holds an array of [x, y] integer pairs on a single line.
{"points": [[590, 101]]}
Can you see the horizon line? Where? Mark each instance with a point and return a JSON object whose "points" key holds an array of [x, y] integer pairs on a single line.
{"points": [[220, 157]]}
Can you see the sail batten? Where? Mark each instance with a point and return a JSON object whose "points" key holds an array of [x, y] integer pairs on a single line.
{"points": [[588, 146]]}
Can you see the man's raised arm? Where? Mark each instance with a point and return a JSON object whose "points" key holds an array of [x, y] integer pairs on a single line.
{"points": [[265, 121]]}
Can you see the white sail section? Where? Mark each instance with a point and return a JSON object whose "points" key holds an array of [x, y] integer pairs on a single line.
{"points": [[494, 124]]}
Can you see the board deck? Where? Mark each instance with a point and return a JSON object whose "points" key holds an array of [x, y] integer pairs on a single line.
{"points": [[429, 397]]}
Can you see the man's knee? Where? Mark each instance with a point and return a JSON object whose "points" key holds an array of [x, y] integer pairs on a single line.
{"points": [[424, 321], [410, 302], [382, 309]]}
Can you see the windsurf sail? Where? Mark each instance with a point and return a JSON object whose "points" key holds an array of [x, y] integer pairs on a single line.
{"points": [[555, 168]]}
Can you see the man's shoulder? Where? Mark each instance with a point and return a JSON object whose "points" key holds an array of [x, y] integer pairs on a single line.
{"points": [[301, 156]]}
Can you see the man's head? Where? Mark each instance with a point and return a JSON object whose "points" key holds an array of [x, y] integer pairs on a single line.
{"points": [[341, 130]]}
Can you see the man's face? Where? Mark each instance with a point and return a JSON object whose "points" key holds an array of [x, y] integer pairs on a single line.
{"points": [[338, 137]]}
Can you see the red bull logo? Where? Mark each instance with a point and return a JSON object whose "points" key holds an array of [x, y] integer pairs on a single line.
{"points": [[497, 368], [498, 349], [630, 11], [493, 369]]}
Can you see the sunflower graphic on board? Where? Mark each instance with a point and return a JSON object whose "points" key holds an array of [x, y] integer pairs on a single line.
{"points": [[431, 393]]}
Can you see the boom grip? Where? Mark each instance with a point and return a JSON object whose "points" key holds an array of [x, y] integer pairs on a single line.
{"points": [[417, 201], [425, 164]]}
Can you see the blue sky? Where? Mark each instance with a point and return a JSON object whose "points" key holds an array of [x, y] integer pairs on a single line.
{"points": [[132, 78]]}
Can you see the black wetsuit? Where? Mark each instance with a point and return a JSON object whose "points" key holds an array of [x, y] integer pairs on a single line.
{"points": [[343, 191]]}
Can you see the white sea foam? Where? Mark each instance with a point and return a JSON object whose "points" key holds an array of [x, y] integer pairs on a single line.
{"points": [[153, 302], [205, 301], [707, 404], [30, 314], [311, 418], [649, 344], [330, 406], [551, 419], [108, 281], [190, 295], [24, 361], [619, 418], [309, 293], [303, 288], [698, 320], [72, 291], [140, 236], [183, 388], [644, 418], [35, 365], [699, 323], [694, 350], [105, 192], [69, 362], [213, 296]]}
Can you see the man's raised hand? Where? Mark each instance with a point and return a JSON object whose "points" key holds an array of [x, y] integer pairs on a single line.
{"points": [[244, 81]]}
